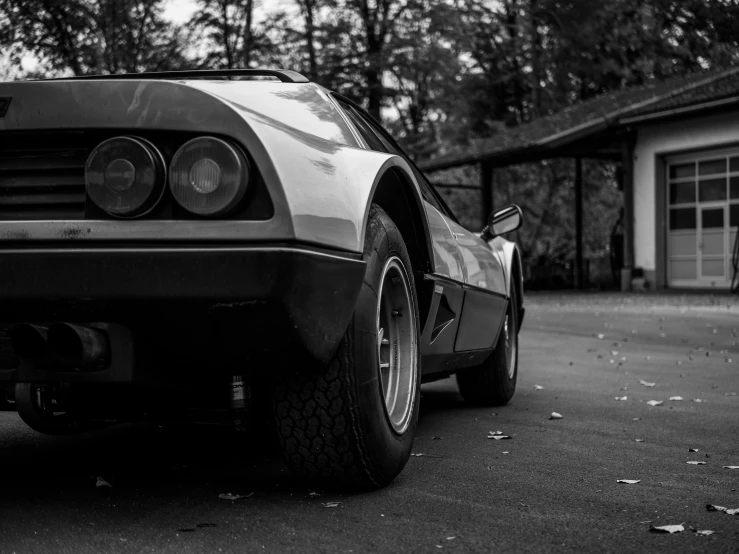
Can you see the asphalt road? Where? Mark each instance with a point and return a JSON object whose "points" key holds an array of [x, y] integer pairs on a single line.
{"points": [[552, 487]]}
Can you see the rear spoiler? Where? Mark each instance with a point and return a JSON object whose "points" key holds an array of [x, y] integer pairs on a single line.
{"points": [[284, 75]]}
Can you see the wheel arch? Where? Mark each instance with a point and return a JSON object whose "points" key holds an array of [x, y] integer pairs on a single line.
{"points": [[516, 280], [407, 212]]}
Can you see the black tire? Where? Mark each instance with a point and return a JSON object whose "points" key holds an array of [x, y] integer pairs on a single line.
{"points": [[491, 383], [332, 422]]}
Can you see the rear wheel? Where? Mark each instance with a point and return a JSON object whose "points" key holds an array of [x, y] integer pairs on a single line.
{"points": [[352, 423], [493, 382]]}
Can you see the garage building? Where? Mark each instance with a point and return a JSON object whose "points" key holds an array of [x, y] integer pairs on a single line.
{"points": [[678, 143]]}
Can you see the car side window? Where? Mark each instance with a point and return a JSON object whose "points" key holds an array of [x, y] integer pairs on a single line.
{"points": [[364, 129], [377, 140]]}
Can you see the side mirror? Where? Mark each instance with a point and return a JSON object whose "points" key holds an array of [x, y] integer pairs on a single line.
{"points": [[504, 221]]}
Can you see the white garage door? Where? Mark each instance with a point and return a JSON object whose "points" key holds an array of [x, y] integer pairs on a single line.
{"points": [[703, 214]]}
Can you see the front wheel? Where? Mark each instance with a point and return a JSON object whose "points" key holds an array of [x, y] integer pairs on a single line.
{"points": [[352, 423], [493, 382]]}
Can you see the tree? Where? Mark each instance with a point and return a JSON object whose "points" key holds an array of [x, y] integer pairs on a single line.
{"points": [[92, 36]]}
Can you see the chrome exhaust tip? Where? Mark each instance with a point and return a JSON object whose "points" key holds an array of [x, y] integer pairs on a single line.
{"points": [[85, 348], [29, 341]]}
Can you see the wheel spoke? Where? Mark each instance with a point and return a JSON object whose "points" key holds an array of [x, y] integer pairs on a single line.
{"points": [[396, 344]]}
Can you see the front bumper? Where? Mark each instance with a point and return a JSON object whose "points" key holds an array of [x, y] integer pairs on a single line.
{"points": [[248, 299]]}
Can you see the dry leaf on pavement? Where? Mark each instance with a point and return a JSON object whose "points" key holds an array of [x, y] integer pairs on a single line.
{"points": [[704, 532], [102, 483], [538, 387], [646, 384], [622, 397], [555, 415], [639, 440], [676, 398], [330, 504], [231, 496], [655, 402], [667, 528]]}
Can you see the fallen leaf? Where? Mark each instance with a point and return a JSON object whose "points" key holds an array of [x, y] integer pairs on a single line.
{"points": [[655, 402], [698, 400], [694, 463], [622, 397], [635, 419], [498, 437], [538, 387], [667, 528], [330, 504], [731, 467], [643, 382], [102, 483], [506, 452], [231, 496], [712, 508], [639, 440], [628, 481], [703, 532], [555, 415], [600, 336], [450, 538], [692, 450], [676, 398]]}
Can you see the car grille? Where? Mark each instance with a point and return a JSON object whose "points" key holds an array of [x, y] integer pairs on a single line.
{"points": [[42, 178]]}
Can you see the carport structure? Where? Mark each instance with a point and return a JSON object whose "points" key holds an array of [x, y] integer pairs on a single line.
{"points": [[603, 128]]}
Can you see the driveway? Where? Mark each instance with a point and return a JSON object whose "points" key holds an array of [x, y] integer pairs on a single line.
{"points": [[551, 487]]}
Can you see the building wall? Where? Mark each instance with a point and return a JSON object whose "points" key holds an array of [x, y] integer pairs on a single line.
{"points": [[654, 141]]}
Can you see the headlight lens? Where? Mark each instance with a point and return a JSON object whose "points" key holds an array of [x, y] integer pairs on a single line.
{"points": [[208, 176], [125, 176]]}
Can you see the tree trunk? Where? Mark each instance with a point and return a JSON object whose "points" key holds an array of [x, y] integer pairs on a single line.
{"points": [[248, 37], [309, 6], [535, 61]]}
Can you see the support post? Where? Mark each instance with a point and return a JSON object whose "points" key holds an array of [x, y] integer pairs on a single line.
{"points": [[578, 224], [627, 159], [486, 186]]}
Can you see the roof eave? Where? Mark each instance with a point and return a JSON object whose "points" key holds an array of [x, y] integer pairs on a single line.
{"points": [[692, 110]]}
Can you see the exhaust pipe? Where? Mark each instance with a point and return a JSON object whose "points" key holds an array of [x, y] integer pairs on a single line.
{"points": [[85, 348], [29, 341]]}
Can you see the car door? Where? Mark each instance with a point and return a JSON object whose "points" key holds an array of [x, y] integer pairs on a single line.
{"points": [[485, 302]]}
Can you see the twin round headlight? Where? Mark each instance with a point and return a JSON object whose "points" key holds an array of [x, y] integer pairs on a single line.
{"points": [[125, 176]]}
